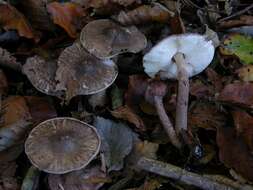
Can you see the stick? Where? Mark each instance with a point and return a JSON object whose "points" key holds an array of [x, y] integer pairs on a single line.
{"points": [[190, 178]]}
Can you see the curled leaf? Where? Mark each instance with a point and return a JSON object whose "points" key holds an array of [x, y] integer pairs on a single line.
{"points": [[11, 18], [240, 46], [242, 21], [143, 14], [126, 113], [246, 73], [66, 15], [117, 142], [238, 93]]}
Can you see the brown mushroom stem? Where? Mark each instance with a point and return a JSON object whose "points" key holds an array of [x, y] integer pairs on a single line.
{"points": [[166, 122], [182, 95]]}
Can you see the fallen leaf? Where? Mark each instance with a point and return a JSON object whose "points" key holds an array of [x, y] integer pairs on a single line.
{"points": [[242, 21], [246, 73], [144, 14], [240, 46], [116, 97], [12, 19], [244, 127], [31, 180], [127, 114], [7, 60], [3, 83], [91, 178], [177, 25], [103, 3], [215, 79], [137, 86], [36, 12], [238, 93], [117, 142], [66, 15], [200, 90], [234, 153], [206, 116]]}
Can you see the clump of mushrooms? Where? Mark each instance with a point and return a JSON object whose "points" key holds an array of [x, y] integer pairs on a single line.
{"points": [[179, 57], [62, 145]]}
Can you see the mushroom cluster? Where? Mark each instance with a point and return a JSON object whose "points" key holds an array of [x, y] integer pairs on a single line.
{"points": [[179, 57]]}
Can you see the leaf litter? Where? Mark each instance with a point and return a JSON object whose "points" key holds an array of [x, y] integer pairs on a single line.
{"points": [[83, 59]]}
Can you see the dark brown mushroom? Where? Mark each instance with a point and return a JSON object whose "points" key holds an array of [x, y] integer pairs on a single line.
{"points": [[80, 73], [62, 145], [41, 74], [105, 38]]}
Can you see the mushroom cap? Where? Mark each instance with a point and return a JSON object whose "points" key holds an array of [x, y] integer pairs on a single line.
{"points": [[80, 73], [197, 50], [62, 145], [105, 39]]}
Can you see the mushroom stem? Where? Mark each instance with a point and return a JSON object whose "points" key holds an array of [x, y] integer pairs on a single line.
{"points": [[182, 95], [166, 122]]}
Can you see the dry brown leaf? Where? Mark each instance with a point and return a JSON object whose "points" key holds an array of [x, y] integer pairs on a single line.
{"points": [[242, 21], [206, 116], [215, 79], [104, 3], [36, 12], [143, 14], [67, 16], [7, 60], [126, 113], [200, 90], [238, 93], [234, 153], [177, 25], [244, 127], [3, 83], [246, 73], [12, 19], [91, 178]]}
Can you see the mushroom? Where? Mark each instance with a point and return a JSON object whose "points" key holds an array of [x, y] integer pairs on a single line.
{"points": [[80, 73], [62, 145], [179, 57], [105, 39]]}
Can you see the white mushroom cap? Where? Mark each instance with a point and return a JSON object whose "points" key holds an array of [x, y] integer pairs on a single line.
{"points": [[197, 50]]}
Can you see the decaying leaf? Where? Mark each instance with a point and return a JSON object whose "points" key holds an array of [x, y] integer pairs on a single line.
{"points": [[80, 73], [91, 178], [244, 127], [41, 74], [66, 15], [103, 3], [242, 21], [128, 114], [246, 73], [11, 18], [3, 83], [117, 97], [36, 12], [240, 46], [7, 60], [137, 86], [234, 153], [145, 13], [117, 142], [206, 116], [200, 90], [238, 93]]}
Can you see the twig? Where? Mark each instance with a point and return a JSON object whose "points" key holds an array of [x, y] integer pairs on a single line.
{"points": [[237, 13], [202, 181]]}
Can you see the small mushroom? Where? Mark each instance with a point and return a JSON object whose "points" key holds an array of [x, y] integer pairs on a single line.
{"points": [[179, 57], [105, 39], [80, 73], [62, 145]]}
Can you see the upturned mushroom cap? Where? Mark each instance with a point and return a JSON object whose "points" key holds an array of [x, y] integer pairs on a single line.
{"points": [[80, 73], [198, 53], [105, 39], [61, 145]]}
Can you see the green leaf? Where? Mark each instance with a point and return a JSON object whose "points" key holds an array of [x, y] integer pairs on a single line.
{"points": [[240, 46], [117, 142]]}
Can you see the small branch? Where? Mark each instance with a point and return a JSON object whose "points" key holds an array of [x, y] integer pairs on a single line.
{"points": [[182, 94], [190, 178], [237, 13], [166, 122]]}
